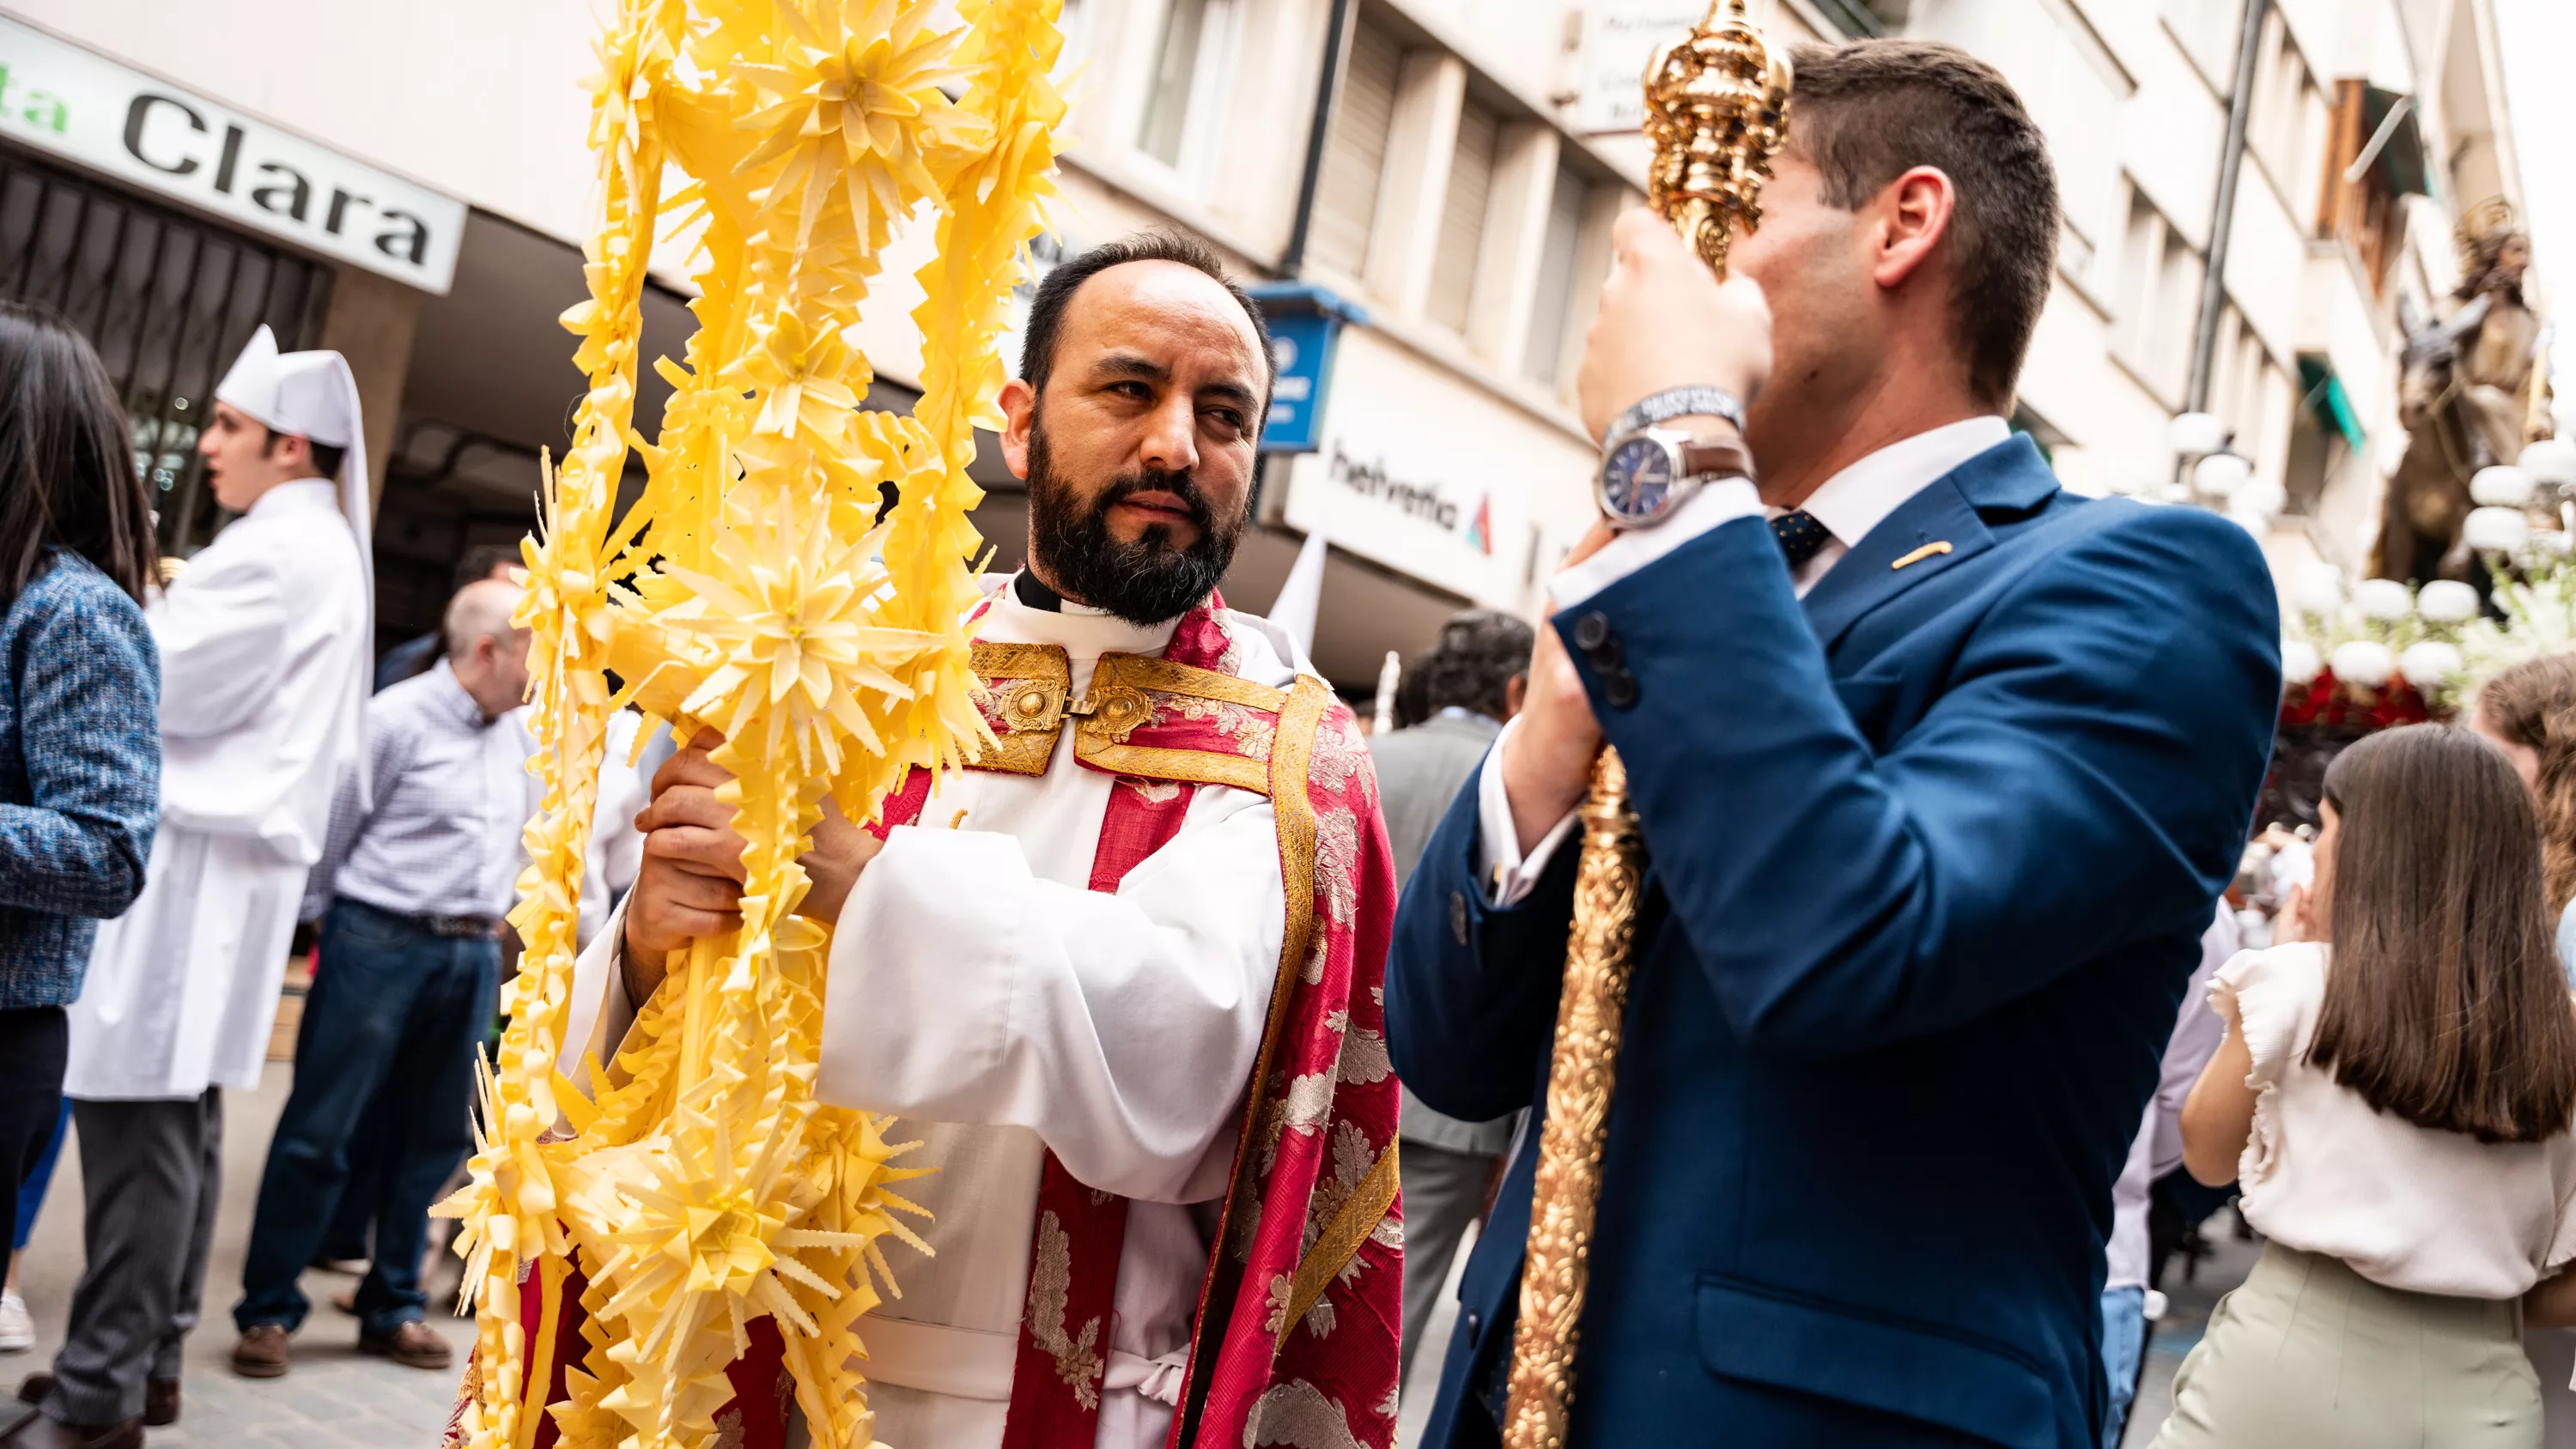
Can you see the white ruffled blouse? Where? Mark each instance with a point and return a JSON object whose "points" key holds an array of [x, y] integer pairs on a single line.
{"points": [[2407, 1207]]}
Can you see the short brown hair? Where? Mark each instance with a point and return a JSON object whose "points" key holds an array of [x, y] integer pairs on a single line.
{"points": [[2445, 1002], [2533, 704], [1867, 112]]}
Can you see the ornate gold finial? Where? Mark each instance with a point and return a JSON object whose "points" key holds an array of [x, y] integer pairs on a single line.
{"points": [[1717, 107]]}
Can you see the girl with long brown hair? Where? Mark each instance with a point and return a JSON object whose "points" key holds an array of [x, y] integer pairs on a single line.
{"points": [[2394, 1101]]}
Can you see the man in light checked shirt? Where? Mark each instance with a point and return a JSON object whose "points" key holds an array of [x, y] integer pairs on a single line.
{"points": [[402, 996]]}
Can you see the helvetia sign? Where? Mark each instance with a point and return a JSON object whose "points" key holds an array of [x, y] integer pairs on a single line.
{"points": [[57, 97]]}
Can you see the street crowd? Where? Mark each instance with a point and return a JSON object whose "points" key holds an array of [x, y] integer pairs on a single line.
{"points": [[1947, 1016]]}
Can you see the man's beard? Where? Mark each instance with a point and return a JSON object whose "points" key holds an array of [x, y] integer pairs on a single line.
{"points": [[1144, 581]]}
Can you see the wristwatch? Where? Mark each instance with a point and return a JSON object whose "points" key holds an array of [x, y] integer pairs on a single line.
{"points": [[1679, 402], [1645, 474]]}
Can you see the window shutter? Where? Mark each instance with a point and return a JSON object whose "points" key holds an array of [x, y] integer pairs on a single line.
{"points": [[1355, 153], [1462, 216], [1554, 304]]}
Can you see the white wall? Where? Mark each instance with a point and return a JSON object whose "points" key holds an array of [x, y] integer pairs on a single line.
{"points": [[481, 99]]}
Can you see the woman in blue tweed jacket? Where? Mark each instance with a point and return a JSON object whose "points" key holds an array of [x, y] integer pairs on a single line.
{"points": [[80, 740]]}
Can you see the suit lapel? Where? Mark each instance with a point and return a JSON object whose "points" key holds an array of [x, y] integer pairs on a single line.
{"points": [[1905, 549]]}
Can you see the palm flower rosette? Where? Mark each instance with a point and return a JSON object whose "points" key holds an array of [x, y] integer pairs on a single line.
{"points": [[754, 590]]}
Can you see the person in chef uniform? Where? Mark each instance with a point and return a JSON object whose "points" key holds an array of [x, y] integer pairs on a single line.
{"points": [[265, 639]]}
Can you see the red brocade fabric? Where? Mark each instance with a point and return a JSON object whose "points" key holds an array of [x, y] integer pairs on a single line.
{"points": [[1296, 1336]]}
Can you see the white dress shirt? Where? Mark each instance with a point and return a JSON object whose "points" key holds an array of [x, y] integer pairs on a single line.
{"points": [[451, 793], [1849, 505]]}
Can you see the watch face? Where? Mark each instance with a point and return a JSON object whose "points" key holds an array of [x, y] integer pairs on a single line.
{"points": [[1637, 478]]}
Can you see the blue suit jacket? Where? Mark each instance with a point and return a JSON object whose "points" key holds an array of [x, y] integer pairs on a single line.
{"points": [[1929, 860]]}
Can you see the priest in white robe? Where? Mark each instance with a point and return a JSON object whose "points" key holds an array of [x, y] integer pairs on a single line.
{"points": [[265, 640], [1079, 970]]}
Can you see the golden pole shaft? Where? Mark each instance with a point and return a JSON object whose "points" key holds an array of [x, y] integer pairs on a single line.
{"points": [[1716, 110], [1581, 1072]]}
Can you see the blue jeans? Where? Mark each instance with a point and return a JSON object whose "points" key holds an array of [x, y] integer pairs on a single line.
{"points": [[2124, 1340], [393, 1009]]}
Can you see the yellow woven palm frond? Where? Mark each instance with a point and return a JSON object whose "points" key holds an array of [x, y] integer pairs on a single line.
{"points": [[752, 589]]}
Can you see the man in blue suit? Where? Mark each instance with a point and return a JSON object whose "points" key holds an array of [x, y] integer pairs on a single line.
{"points": [[1938, 774]]}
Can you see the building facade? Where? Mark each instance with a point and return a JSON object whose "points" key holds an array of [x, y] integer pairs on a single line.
{"points": [[410, 185]]}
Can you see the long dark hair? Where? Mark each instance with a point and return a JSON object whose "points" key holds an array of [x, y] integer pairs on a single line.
{"points": [[67, 474], [2445, 1003]]}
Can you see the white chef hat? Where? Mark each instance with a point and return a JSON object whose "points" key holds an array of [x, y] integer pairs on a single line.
{"points": [[314, 396]]}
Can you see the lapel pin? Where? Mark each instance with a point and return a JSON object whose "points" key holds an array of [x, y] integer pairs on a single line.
{"points": [[1920, 554]]}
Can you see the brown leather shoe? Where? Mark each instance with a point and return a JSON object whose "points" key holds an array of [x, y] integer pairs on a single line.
{"points": [[413, 1345], [160, 1398], [263, 1352], [36, 1431]]}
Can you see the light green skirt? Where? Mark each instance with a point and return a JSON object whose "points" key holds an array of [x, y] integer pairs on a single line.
{"points": [[2308, 1352]]}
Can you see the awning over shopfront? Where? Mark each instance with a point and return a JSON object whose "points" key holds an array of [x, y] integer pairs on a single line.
{"points": [[2326, 400]]}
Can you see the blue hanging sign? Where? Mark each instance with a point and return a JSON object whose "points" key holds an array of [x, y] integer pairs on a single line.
{"points": [[1305, 329]]}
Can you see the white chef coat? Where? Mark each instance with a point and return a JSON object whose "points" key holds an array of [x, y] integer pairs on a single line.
{"points": [[263, 646], [981, 990]]}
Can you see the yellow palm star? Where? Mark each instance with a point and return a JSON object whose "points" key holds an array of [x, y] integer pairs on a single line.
{"points": [[860, 102]]}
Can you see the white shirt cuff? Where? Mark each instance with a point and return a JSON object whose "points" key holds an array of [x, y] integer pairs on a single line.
{"points": [[1509, 876], [1723, 501]]}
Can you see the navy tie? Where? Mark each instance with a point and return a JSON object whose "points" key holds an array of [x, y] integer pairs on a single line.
{"points": [[1801, 537]]}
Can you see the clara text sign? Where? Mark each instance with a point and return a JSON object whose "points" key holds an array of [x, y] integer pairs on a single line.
{"points": [[58, 97]]}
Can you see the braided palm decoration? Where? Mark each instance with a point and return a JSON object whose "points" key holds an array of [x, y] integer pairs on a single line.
{"points": [[775, 597]]}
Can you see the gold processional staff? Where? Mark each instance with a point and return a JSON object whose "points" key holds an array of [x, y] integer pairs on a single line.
{"points": [[1716, 110]]}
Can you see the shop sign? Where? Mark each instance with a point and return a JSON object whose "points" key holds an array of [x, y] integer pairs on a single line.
{"points": [[58, 97], [1425, 473], [1305, 323]]}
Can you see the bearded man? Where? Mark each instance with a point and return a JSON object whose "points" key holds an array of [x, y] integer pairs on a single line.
{"points": [[1122, 976]]}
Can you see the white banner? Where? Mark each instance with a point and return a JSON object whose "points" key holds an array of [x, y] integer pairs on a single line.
{"points": [[58, 97]]}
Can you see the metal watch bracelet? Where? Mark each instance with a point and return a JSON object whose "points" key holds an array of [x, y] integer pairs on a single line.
{"points": [[1678, 402]]}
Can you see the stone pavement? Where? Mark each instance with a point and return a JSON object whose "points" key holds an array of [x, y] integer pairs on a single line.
{"points": [[335, 1399]]}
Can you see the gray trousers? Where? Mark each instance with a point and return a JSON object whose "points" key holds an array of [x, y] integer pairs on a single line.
{"points": [[1443, 1192], [151, 1174]]}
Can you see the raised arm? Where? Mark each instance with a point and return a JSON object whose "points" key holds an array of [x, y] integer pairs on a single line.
{"points": [[2083, 780], [85, 678]]}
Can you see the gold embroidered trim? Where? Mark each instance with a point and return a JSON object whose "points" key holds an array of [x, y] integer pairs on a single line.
{"points": [[1194, 767], [1029, 688], [1027, 685], [1342, 1237], [1162, 676], [1078, 1361], [1293, 807], [1293, 811]]}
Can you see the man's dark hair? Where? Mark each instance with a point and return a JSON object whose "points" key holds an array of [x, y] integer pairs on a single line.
{"points": [[1473, 664], [1867, 112], [1055, 293], [481, 559], [326, 458]]}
